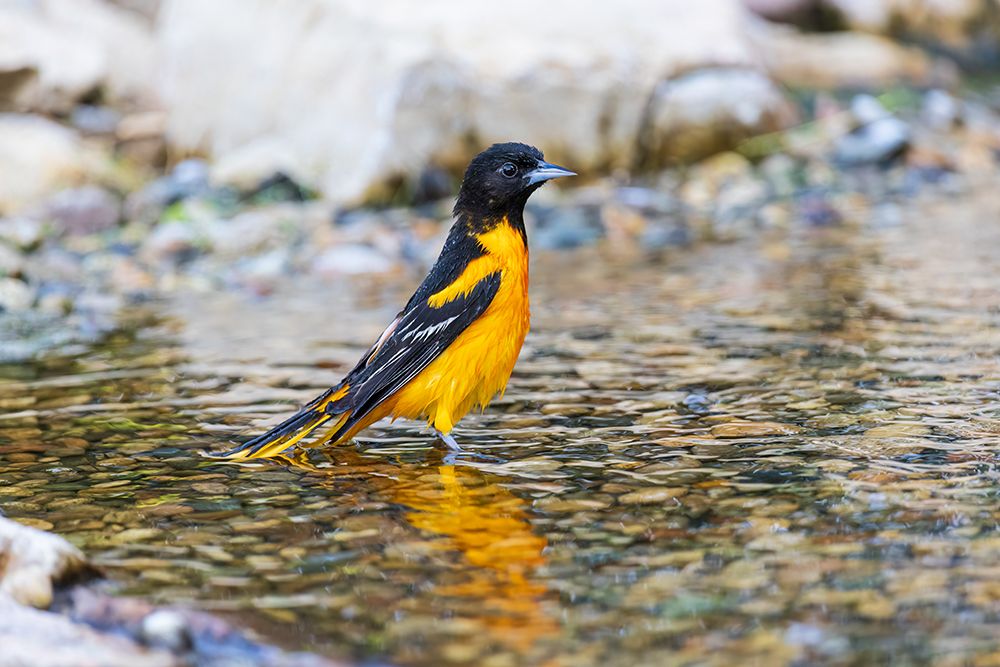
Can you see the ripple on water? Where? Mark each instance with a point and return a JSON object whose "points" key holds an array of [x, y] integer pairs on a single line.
{"points": [[730, 455]]}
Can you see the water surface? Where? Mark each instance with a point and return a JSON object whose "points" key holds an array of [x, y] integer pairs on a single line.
{"points": [[781, 451]]}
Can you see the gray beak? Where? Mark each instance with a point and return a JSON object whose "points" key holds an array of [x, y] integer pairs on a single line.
{"points": [[546, 172]]}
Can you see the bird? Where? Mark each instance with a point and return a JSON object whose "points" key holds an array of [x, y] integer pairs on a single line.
{"points": [[454, 344]]}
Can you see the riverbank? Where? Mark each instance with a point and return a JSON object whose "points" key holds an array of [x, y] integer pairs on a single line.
{"points": [[70, 265], [54, 613]]}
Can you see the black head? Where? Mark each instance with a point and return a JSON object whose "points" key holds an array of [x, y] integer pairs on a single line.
{"points": [[500, 179]]}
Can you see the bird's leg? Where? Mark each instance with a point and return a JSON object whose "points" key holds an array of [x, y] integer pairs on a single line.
{"points": [[448, 440]]}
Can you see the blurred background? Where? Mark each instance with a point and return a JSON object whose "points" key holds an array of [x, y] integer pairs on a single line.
{"points": [[148, 143]]}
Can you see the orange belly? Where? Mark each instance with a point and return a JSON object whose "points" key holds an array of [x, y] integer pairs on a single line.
{"points": [[477, 365]]}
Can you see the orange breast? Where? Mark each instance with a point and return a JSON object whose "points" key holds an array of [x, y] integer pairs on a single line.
{"points": [[477, 365]]}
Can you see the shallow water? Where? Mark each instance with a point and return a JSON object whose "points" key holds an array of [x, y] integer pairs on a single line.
{"points": [[782, 450]]}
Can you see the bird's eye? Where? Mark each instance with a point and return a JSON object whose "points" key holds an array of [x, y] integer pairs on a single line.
{"points": [[509, 170]]}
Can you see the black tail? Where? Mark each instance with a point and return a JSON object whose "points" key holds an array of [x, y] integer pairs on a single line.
{"points": [[292, 430]]}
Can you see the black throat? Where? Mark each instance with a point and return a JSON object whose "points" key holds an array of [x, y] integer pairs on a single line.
{"points": [[478, 216]]}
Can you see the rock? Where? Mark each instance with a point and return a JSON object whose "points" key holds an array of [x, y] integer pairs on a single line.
{"points": [[877, 138], [652, 496], [17, 84], [11, 261], [66, 66], [263, 271], [141, 138], [68, 49], [141, 125], [190, 637], [753, 429], [85, 210], [15, 295], [898, 430], [40, 639], [40, 156], [351, 259], [698, 403], [21, 232], [723, 187], [148, 203], [967, 30], [188, 178], [708, 111], [54, 302], [95, 120], [53, 264], [816, 209], [373, 98], [128, 277], [170, 242], [561, 228], [31, 561], [867, 109], [165, 628], [124, 38], [245, 167], [798, 12], [251, 232], [940, 110], [838, 60], [780, 171]]}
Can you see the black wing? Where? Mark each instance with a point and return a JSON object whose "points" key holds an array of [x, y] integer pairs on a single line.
{"points": [[418, 336], [459, 250]]}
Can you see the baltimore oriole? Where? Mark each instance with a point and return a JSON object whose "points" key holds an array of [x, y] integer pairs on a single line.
{"points": [[454, 345]]}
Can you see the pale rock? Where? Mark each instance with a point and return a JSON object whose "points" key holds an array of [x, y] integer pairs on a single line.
{"points": [[710, 110], [40, 639], [141, 125], [245, 167], [966, 29], [263, 270], [11, 261], [348, 96], [167, 629], [54, 53], [169, 242], [91, 119], [351, 259], [40, 156], [837, 60], [652, 496], [32, 560], [877, 137], [250, 232], [941, 110], [877, 142], [15, 295], [126, 41], [65, 66], [22, 232], [867, 109], [741, 429], [85, 210]]}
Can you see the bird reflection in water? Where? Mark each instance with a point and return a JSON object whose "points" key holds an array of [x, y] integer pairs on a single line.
{"points": [[472, 514]]}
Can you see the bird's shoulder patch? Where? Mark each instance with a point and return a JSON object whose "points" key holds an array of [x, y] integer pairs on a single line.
{"points": [[502, 247], [475, 272]]}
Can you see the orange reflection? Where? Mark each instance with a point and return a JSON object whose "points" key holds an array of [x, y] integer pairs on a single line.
{"points": [[478, 518]]}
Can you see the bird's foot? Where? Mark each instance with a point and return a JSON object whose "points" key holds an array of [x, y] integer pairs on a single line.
{"points": [[457, 455], [448, 440]]}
